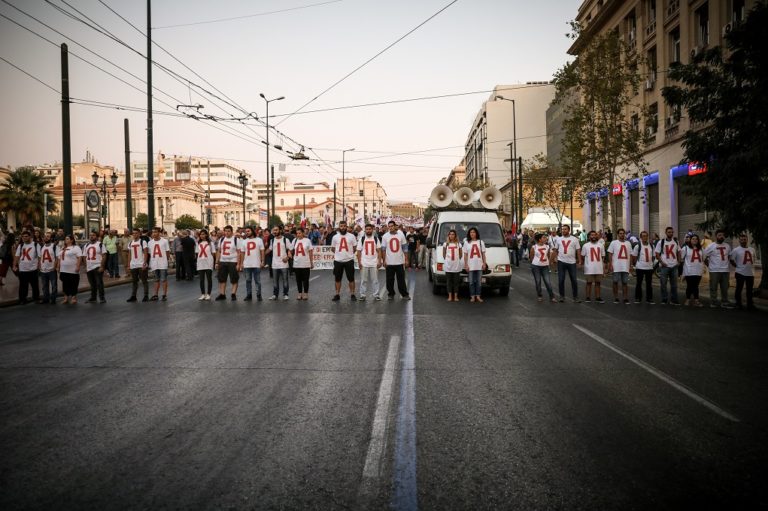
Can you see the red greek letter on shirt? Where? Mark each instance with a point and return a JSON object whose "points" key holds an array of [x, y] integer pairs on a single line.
{"points": [[370, 247], [722, 252], [542, 254], [343, 245], [249, 247], [394, 245], [300, 249], [669, 251], [565, 244], [157, 251], [46, 257], [225, 247], [647, 254], [623, 253], [747, 257], [452, 250], [203, 250], [594, 254], [474, 251], [695, 255]]}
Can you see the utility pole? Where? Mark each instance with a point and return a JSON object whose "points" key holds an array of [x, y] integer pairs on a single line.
{"points": [[208, 206], [274, 210], [128, 204], [304, 200], [520, 188], [334, 204], [512, 187], [150, 149], [66, 150]]}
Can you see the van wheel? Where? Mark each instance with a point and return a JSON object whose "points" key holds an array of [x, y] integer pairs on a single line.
{"points": [[504, 291]]}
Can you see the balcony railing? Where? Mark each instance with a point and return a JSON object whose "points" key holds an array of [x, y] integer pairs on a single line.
{"points": [[673, 8], [650, 29]]}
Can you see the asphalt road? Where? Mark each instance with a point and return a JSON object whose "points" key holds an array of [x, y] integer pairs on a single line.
{"points": [[509, 404]]}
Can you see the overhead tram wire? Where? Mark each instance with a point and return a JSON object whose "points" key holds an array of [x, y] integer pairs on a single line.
{"points": [[367, 61]]}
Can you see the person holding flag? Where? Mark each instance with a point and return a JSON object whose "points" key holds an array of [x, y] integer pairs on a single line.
{"points": [[369, 261], [138, 254], [343, 247], [159, 255], [303, 253]]}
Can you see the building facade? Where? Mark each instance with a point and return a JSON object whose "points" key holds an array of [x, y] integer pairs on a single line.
{"points": [[365, 195], [664, 31]]}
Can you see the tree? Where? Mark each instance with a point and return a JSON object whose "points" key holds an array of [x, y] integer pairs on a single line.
{"points": [[23, 193], [275, 220], [723, 91], [141, 221], [188, 222], [601, 122], [547, 186]]}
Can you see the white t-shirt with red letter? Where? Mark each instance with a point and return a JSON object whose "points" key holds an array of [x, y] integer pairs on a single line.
{"points": [[369, 251], [620, 252], [668, 251], [136, 252], [158, 254], [344, 247], [301, 248], [251, 249], [68, 258], [392, 245], [743, 258], [473, 253], [693, 261], [93, 253], [48, 255], [454, 262], [567, 248], [279, 248], [28, 256], [541, 255], [644, 255], [593, 254], [718, 255], [205, 251], [228, 249]]}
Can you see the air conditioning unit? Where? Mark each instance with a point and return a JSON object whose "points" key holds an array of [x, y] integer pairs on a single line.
{"points": [[649, 84], [649, 131], [671, 121], [695, 51], [727, 29]]}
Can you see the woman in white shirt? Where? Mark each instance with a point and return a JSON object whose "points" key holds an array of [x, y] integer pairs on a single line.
{"points": [[302, 251], [474, 263], [539, 257], [205, 250], [70, 258], [452, 257], [693, 268]]}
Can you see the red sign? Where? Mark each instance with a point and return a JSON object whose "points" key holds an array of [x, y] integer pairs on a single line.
{"points": [[695, 168], [617, 189]]}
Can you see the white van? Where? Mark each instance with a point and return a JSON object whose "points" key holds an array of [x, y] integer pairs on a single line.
{"points": [[496, 255]]}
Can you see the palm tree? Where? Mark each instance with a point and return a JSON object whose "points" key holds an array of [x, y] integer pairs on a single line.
{"points": [[23, 193]]}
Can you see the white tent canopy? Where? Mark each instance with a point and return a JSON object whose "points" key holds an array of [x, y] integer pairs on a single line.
{"points": [[540, 218]]}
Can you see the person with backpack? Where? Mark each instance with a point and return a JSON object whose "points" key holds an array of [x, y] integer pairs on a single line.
{"points": [[227, 258], [343, 246], [281, 255], [70, 259], [642, 262], [302, 253], [49, 264], [251, 260], [138, 263], [95, 261], [369, 261], [693, 268], [159, 255], [668, 253], [26, 263]]}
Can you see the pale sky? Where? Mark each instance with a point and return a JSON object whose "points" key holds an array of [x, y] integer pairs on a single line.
{"points": [[471, 46]]}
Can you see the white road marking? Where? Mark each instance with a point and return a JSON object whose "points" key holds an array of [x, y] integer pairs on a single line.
{"points": [[313, 278], [661, 375], [381, 417]]}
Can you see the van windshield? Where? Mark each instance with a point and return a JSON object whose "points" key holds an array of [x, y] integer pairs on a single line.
{"points": [[490, 233]]}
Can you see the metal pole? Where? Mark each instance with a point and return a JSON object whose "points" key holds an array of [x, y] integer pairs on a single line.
{"points": [[66, 142], [45, 212], [269, 192], [209, 190], [244, 185], [511, 187], [343, 188], [150, 149], [274, 210], [570, 196], [520, 187], [128, 204], [304, 201], [514, 155], [334, 204]]}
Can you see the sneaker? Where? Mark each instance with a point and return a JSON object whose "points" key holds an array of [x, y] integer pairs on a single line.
{"points": [[554, 300], [202, 297], [145, 299], [164, 298], [599, 300], [377, 298], [626, 302], [273, 297], [713, 305], [675, 303], [102, 300], [727, 305], [89, 300], [207, 298], [362, 298], [576, 300], [285, 298], [615, 300], [233, 297], [353, 298], [258, 298], [406, 297], [561, 300], [587, 300], [637, 301], [132, 299], [220, 298], [390, 297], [247, 298], [539, 299], [663, 302], [153, 299], [651, 302], [336, 298]]}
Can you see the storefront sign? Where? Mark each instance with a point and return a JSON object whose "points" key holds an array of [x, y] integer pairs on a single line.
{"points": [[695, 168], [617, 189]]}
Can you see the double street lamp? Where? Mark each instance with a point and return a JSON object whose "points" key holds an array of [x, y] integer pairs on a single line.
{"points": [[268, 101], [202, 199], [105, 192]]}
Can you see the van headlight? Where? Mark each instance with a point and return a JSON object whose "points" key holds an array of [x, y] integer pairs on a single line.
{"points": [[502, 268]]}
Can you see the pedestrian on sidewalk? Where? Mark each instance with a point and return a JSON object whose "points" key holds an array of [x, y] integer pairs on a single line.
{"points": [[227, 258], [393, 245], [369, 261], [568, 254], [110, 245], [281, 254], [343, 246], [302, 253], [95, 262], [474, 263], [668, 254], [159, 255], [693, 269], [743, 257], [122, 246], [642, 262], [49, 264], [188, 247], [178, 256], [620, 250], [205, 263], [70, 259], [6, 256], [717, 258], [138, 265], [540, 257], [252, 259], [593, 255], [453, 262], [26, 263]]}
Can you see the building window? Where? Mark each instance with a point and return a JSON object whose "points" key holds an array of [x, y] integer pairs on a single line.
{"points": [[652, 65], [631, 28], [650, 13], [652, 125], [738, 11], [635, 122], [297, 201], [282, 202], [702, 25], [674, 45]]}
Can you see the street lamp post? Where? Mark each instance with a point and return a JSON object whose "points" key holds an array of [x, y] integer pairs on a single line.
{"points": [[243, 178], [266, 124], [344, 183], [513, 157], [105, 193]]}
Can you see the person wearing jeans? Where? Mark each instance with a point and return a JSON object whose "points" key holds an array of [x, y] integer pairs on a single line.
{"points": [[95, 261], [693, 269], [474, 263], [642, 262], [26, 263], [302, 254], [251, 260], [743, 257], [369, 261], [539, 257], [568, 253], [717, 257], [668, 252], [49, 263], [278, 247], [393, 244]]}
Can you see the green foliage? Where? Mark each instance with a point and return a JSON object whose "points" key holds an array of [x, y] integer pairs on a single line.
{"points": [[597, 91], [141, 221], [547, 186], [188, 222], [723, 92], [276, 220], [23, 193]]}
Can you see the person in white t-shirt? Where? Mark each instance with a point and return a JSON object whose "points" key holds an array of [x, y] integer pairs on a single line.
{"points": [[49, 263], [281, 257], [138, 263], [227, 263], [620, 251], [251, 260], [393, 245], [568, 253], [369, 261], [743, 258], [26, 263], [593, 254], [668, 254], [540, 260], [303, 254], [642, 262], [717, 258], [205, 250], [474, 263], [95, 255], [159, 255], [692, 256], [343, 246], [453, 262], [70, 259]]}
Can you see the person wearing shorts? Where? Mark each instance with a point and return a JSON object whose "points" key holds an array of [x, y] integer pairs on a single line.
{"points": [[593, 254], [620, 251], [159, 254], [343, 246], [227, 260]]}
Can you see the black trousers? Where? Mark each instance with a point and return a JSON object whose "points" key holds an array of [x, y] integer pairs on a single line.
{"points": [[741, 280], [189, 265], [206, 275], [96, 281], [396, 270], [302, 279], [139, 274], [180, 267], [692, 286], [69, 283], [26, 279], [646, 275]]}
